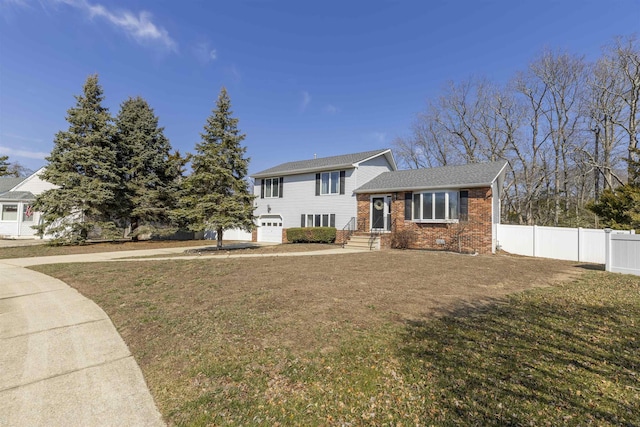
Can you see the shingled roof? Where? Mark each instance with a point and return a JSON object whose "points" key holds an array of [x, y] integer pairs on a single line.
{"points": [[7, 183], [463, 176], [323, 163]]}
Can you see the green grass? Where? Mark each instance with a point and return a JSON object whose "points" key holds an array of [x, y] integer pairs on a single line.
{"points": [[563, 356]]}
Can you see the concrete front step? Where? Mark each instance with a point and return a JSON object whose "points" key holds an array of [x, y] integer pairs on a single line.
{"points": [[363, 241]]}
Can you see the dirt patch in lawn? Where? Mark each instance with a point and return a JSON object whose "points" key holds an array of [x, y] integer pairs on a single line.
{"points": [[226, 325]]}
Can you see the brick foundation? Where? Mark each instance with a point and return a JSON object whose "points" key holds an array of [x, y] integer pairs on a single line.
{"points": [[471, 236]]}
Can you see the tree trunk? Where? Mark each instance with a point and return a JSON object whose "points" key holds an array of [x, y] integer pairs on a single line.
{"points": [[219, 237]]}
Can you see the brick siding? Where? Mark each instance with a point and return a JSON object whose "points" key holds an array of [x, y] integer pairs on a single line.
{"points": [[471, 236]]}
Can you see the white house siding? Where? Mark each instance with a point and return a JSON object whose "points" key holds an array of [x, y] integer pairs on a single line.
{"points": [[495, 214], [34, 184], [368, 170], [299, 197]]}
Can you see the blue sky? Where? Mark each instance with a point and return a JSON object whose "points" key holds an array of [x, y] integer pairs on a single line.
{"points": [[323, 77]]}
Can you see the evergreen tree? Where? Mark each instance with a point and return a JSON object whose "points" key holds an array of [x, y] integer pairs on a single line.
{"points": [[216, 195], [149, 171], [619, 208], [83, 166], [4, 166]]}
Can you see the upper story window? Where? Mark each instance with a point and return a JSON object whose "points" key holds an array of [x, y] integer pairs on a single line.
{"points": [[439, 206], [271, 187], [330, 183]]}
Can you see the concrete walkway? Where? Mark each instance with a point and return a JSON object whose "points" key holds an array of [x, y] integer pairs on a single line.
{"points": [[62, 362]]}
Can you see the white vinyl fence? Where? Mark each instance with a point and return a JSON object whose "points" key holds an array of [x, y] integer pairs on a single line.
{"points": [[571, 244], [622, 253]]}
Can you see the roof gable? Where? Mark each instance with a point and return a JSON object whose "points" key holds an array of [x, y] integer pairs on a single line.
{"points": [[9, 183], [470, 175], [324, 163]]}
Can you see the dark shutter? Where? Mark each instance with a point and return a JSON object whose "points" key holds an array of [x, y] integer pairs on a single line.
{"points": [[281, 182], [464, 205], [342, 175], [408, 197], [262, 188], [332, 220], [302, 220], [317, 184]]}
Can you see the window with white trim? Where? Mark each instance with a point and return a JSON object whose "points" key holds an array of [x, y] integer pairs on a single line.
{"points": [[436, 206], [271, 187], [330, 182], [318, 220], [9, 213]]}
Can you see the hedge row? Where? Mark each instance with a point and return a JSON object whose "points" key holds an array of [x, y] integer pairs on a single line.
{"points": [[311, 235]]}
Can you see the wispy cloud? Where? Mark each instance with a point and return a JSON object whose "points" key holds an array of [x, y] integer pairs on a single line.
{"points": [[378, 136], [139, 27], [204, 53], [22, 153], [331, 109], [233, 72], [306, 100]]}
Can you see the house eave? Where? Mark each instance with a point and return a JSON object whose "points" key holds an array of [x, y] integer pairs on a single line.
{"points": [[419, 188], [303, 171]]}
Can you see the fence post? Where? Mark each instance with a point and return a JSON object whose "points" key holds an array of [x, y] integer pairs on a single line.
{"points": [[607, 249], [580, 240], [535, 241]]}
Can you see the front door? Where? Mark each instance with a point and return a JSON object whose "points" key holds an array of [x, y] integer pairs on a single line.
{"points": [[378, 206]]}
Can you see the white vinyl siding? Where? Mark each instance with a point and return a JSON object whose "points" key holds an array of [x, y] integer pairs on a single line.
{"points": [[300, 198], [370, 169]]}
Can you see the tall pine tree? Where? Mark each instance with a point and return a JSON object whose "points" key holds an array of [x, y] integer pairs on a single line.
{"points": [[83, 166], [216, 195], [149, 170]]}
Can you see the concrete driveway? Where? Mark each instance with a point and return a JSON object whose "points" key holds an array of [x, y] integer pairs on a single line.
{"points": [[62, 361]]}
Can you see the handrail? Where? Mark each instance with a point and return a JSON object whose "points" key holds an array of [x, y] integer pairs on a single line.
{"points": [[376, 233], [348, 230]]}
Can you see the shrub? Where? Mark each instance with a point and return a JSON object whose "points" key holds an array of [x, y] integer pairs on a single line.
{"points": [[402, 239], [311, 235]]}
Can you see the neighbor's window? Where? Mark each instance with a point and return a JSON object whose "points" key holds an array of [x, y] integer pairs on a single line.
{"points": [[9, 212], [330, 183], [271, 187], [437, 205]]}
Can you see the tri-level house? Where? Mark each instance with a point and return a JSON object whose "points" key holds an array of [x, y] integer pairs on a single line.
{"points": [[314, 193], [452, 207]]}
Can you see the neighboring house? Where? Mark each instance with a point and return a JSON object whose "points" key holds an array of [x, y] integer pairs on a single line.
{"points": [[313, 193], [453, 207], [16, 197]]}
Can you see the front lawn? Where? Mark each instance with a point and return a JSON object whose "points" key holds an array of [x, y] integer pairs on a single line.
{"points": [[382, 338]]}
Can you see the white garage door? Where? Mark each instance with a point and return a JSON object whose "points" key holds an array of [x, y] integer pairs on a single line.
{"points": [[270, 228]]}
